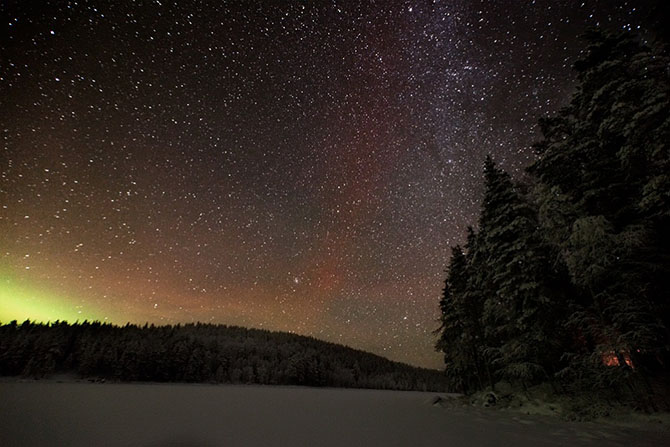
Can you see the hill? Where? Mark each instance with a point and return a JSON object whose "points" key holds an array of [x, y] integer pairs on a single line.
{"points": [[199, 353]]}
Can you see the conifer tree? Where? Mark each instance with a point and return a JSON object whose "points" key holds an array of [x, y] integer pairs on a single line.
{"points": [[472, 301], [452, 330], [604, 192], [521, 304]]}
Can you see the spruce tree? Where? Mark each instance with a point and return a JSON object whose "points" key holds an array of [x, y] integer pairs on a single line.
{"points": [[521, 303], [452, 341], [604, 200]]}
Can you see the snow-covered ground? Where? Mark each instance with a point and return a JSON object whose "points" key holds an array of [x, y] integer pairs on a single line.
{"points": [[170, 415]]}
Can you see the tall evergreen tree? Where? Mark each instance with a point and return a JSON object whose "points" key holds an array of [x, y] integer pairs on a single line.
{"points": [[522, 302], [453, 340], [605, 201], [473, 298], [502, 298]]}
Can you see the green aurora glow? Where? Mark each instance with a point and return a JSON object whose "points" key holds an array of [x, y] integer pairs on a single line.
{"points": [[37, 303]]}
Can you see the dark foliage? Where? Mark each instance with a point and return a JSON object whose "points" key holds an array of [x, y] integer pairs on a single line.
{"points": [[198, 353], [568, 275]]}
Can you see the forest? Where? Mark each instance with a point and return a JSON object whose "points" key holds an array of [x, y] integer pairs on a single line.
{"points": [[564, 280], [202, 353]]}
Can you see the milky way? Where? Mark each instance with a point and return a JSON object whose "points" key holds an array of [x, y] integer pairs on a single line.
{"points": [[296, 166]]}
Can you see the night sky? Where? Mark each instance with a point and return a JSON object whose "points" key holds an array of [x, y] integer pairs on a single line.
{"points": [[301, 166]]}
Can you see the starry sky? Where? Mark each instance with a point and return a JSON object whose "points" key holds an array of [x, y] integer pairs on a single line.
{"points": [[301, 166]]}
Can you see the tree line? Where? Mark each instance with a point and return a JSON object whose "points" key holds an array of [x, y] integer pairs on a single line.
{"points": [[198, 353], [566, 278]]}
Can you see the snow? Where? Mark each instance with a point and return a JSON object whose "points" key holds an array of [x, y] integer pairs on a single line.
{"points": [[45, 413]]}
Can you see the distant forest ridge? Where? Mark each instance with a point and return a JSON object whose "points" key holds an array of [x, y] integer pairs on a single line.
{"points": [[199, 353]]}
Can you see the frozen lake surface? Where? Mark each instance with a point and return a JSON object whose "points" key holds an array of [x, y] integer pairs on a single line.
{"points": [[170, 415]]}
